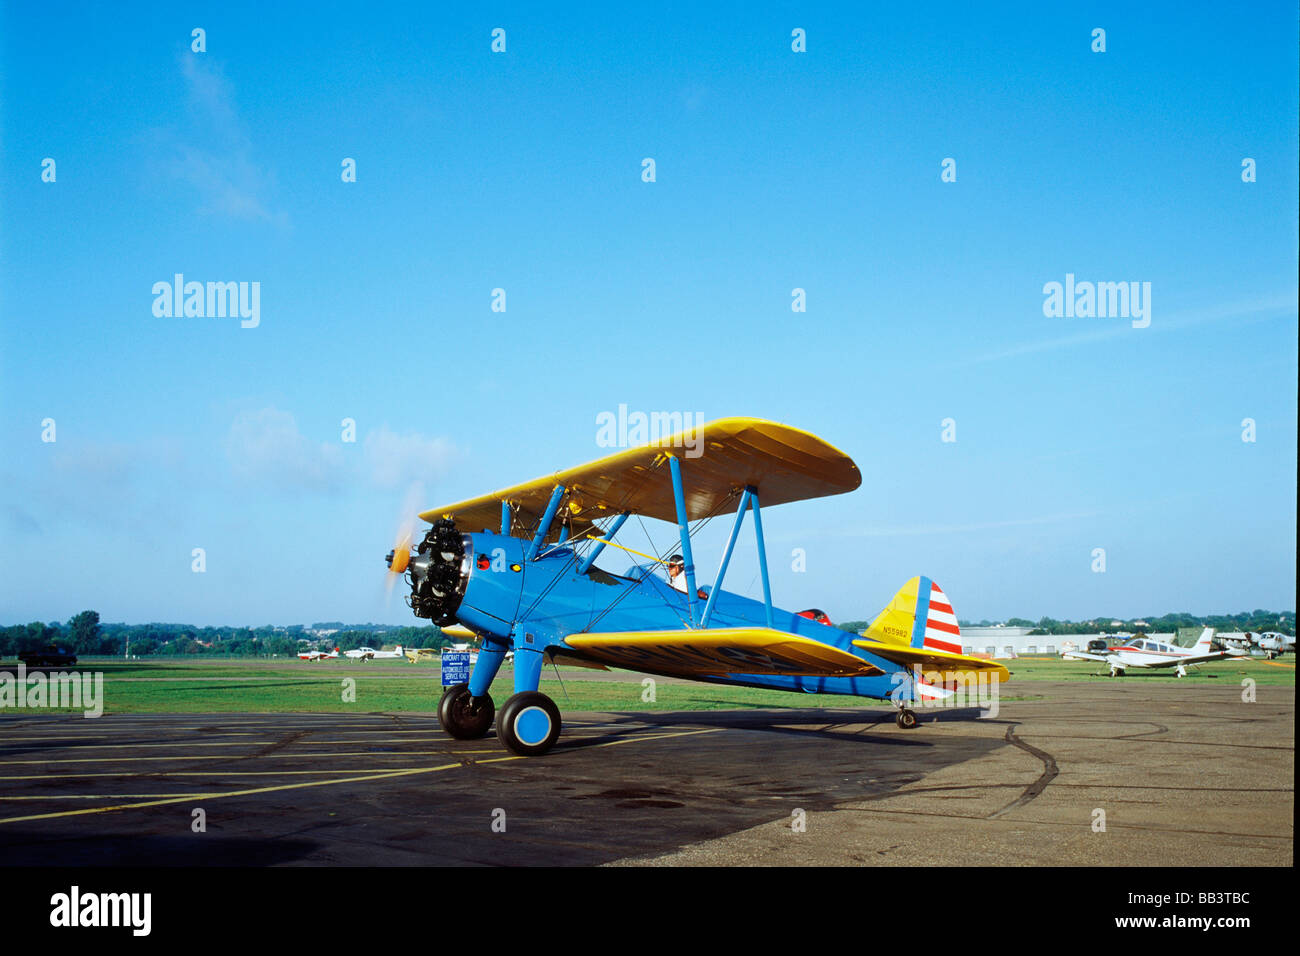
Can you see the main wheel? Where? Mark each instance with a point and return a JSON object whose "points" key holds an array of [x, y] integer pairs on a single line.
{"points": [[906, 719], [463, 715], [529, 724]]}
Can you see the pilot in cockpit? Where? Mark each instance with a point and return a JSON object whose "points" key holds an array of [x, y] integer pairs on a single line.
{"points": [[677, 573]]}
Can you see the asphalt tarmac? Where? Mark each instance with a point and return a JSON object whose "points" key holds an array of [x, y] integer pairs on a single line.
{"points": [[1124, 772]]}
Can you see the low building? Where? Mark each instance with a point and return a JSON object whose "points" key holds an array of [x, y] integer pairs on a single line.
{"points": [[1004, 641]]}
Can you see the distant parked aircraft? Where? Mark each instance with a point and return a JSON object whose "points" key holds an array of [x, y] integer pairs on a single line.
{"points": [[1145, 652], [318, 655], [370, 654], [1269, 643], [1274, 643]]}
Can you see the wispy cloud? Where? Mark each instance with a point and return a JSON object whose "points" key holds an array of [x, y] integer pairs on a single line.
{"points": [[924, 529], [1282, 303], [975, 526], [267, 446], [21, 521], [215, 154], [394, 459]]}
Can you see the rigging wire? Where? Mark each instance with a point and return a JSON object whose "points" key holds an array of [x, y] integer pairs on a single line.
{"points": [[573, 557], [701, 523]]}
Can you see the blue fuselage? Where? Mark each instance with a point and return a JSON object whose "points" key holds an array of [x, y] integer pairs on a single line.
{"points": [[534, 605]]}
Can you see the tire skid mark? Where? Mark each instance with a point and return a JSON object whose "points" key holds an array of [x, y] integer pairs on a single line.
{"points": [[1068, 825], [218, 760], [1050, 770], [1159, 729]]}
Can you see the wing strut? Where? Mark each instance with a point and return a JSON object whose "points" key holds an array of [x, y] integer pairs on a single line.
{"points": [[683, 529], [552, 506], [600, 543], [762, 552], [726, 559]]}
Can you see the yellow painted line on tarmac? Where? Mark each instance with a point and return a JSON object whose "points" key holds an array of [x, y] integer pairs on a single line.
{"points": [[108, 733], [94, 796], [294, 756], [233, 743], [241, 793], [1289, 667], [321, 783], [636, 738], [271, 756], [172, 743], [217, 772]]}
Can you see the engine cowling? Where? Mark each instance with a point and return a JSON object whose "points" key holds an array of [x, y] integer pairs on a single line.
{"points": [[438, 573]]}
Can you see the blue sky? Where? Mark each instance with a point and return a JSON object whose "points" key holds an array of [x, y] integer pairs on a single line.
{"points": [[522, 170]]}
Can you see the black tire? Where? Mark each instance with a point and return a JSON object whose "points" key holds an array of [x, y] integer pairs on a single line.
{"points": [[529, 724], [906, 720], [464, 716]]}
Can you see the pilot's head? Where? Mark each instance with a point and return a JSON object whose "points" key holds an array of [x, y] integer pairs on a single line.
{"points": [[675, 566]]}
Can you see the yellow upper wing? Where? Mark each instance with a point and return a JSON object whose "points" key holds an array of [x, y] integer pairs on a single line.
{"points": [[720, 650], [718, 460]]}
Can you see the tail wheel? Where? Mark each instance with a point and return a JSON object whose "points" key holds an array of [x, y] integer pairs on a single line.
{"points": [[463, 715], [529, 724]]}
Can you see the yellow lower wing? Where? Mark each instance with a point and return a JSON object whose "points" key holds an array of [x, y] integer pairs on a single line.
{"points": [[929, 659], [712, 652]]}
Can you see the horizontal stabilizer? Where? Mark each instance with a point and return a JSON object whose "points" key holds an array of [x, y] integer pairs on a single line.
{"points": [[929, 659], [716, 651]]}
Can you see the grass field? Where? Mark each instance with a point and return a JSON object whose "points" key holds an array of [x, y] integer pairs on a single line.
{"points": [[271, 686]]}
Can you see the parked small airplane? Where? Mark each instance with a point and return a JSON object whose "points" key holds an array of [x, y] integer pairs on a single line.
{"points": [[516, 568], [1143, 652], [370, 654], [1273, 643], [1268, 644], [318, 655]]}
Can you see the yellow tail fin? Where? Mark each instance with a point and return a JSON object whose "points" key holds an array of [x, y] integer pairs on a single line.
{"points": [[894, 625], [919, 616]]}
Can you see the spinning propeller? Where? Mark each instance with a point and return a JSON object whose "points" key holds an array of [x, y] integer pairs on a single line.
{"points": [[437, 571]]}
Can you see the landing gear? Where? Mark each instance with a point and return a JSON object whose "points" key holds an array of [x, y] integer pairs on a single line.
{"points": [[529, 724], [906, 719], [463, 715], [1181, 671], [1116, 671]]}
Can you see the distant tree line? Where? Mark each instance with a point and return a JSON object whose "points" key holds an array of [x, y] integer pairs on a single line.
{"points": [[86, 636], [1257, 620]]}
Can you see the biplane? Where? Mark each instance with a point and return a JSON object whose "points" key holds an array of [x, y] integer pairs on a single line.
{"points": [[517, 568]]}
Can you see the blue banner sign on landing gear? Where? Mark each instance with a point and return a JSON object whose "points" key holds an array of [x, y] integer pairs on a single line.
{"points": [[455, 667]]}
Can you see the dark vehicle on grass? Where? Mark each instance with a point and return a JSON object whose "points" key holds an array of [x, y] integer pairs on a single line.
{"points": [[50, 657]]}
